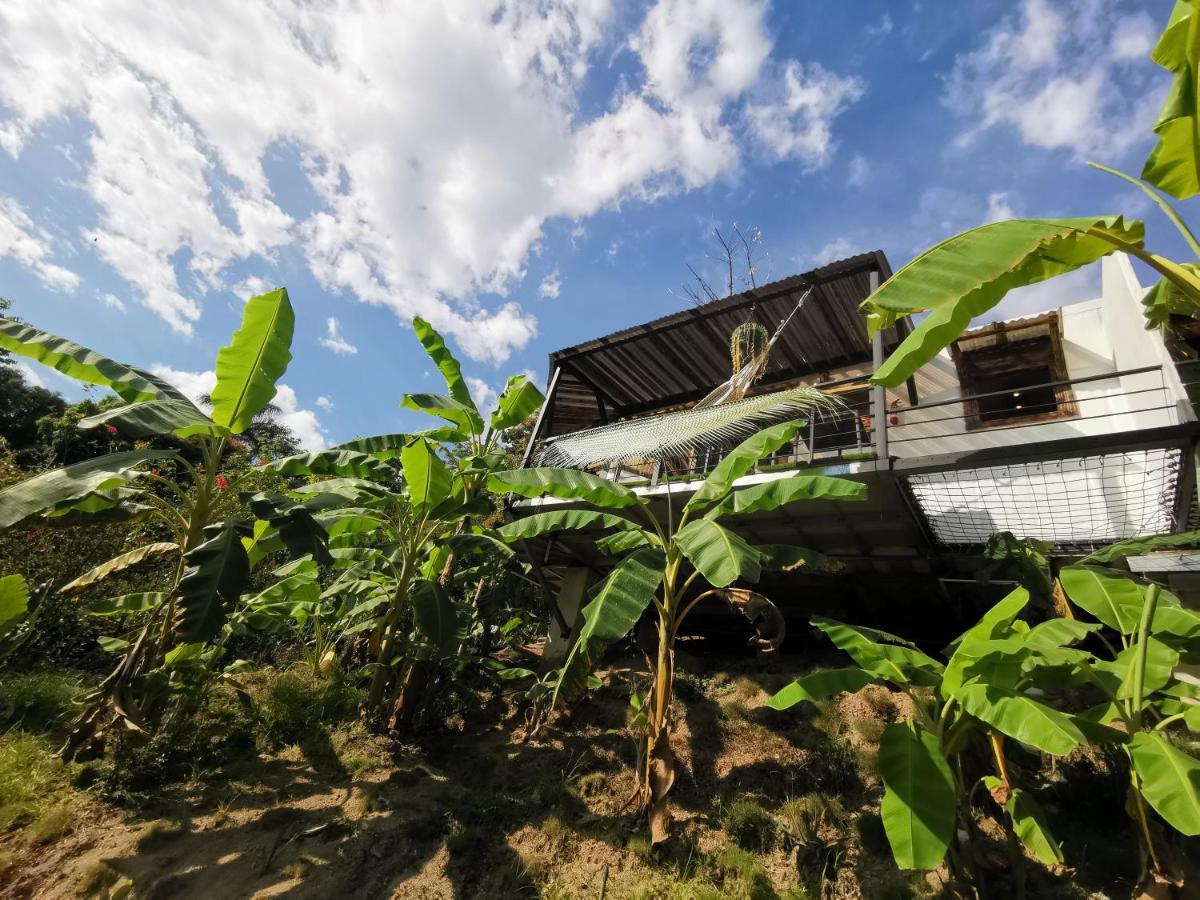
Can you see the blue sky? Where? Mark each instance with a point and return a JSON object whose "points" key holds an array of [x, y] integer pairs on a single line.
{"points": [[525, 175]]}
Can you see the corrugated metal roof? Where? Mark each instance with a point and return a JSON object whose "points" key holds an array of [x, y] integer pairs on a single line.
{"points": [[677, 359]]}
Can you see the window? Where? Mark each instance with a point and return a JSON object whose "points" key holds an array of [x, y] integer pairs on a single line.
{"points": [[1011, 373]]}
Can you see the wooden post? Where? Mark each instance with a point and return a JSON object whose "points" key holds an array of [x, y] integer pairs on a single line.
{"points": [[537, 425], [878, 392]]}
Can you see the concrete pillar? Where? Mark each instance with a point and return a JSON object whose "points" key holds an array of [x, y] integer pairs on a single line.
{"points": [[571, 600]]}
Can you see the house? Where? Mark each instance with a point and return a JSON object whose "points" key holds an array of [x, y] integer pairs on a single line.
{"points": [[1073, 426]]}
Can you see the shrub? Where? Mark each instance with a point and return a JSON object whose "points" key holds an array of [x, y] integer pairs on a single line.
{"points": [[36, 701], [295, 704], [749, 825], [32, 778]]}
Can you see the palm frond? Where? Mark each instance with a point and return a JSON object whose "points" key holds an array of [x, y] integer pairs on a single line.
{"points": [[671, 435]]}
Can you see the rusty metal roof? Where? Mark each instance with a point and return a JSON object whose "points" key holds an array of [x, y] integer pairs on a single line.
{"points": [[677, 359]]}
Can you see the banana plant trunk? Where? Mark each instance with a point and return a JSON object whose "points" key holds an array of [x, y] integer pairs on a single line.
{"points": [[658, 772]]}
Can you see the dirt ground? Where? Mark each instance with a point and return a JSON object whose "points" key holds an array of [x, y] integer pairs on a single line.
{"points": [[472, 811]]}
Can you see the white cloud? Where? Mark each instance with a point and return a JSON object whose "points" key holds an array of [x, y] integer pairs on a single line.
{"points": [[838, 248], [112, 301], [437, 138], [859, 171], [193, 384], [251, 286], [998, 207], [303, 423], [881, 28], [1047, 76], [482, 393], [24, 241], [334, 340], [550, 286], [325, 403], [797, 123]]}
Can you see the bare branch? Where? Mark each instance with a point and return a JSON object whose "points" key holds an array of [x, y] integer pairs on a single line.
{"points": [[712, 295], [749, 255]]}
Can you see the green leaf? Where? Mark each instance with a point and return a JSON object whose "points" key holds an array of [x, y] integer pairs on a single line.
{"points": [[1170, 780], [1113, 598], [1059, 633], [1167, 299], [774, 494], [183, 653], [82, 364], [890, 662], [448, 366], [437, 617], [621, 542], [1029, 823], [1138, 546], [255, 358], [786, 558], [821, 686], [995, 621], [380, 446], [134, 557], [740, 460], [562, 520], [14, 601], [519, 400], [290, 526], [217, 570], [425, 475], [1174, 163], [1117, 676], [127, 603], [40, 495], [357, 491], [155, 417], [919, 802], [1175, 621], [567, 484], [345, 463], [996, 662], [112, 644], [720, 555], [464, 417], [613, 611], [1022, 718], [968, 274], [478, 541]]}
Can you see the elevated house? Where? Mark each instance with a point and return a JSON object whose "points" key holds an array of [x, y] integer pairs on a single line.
{"points": [[1073, 426]]}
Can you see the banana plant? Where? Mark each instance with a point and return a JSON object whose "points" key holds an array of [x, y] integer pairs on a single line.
{"points": [[399, 509], [968, 274], [1147, 634], [660, 563], [989, 689], [197, 509]]}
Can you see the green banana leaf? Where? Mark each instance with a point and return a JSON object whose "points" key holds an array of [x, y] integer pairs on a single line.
{"points": [[821, 686], [130, 384], [155, 417], [217, 570], [1029, 823], [968, 274], [720, 555], [1021, 718], [464, 417], [519, 399], [345, 463], [14, 601], [994, 622], [740, 460], [451, 372], [774, 494], [1138, 546], [1113, 598], [890, 662], [380, 446], [1170, 780], [609, 615], [120, 563], [254, 359], [919, 809], [437, 617], [58, 488], [567, 484], [562, 520], [127, 603], [1174, 163], [427, 478], [786, 558]]}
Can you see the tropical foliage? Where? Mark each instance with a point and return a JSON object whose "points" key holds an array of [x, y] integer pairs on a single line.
{"points": [[659, 562]]}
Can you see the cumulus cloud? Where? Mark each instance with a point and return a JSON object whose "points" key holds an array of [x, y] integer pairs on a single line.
{"points": [[112, 301], [438, 139], [482, 393], [31, 246], [798, 123], [333, 339], [1045, 74], [303, 423], [838, 248], [325, 403], [858, 172], [550, 286], [31, 378], [998, 207]]}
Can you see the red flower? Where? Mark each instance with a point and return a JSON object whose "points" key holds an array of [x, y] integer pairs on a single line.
{"points": [[262, 462], [112, 429], [222, 482], [154, 471]]}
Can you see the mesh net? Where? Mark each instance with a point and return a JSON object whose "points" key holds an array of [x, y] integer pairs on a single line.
{"points": [[1072, 503]]}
